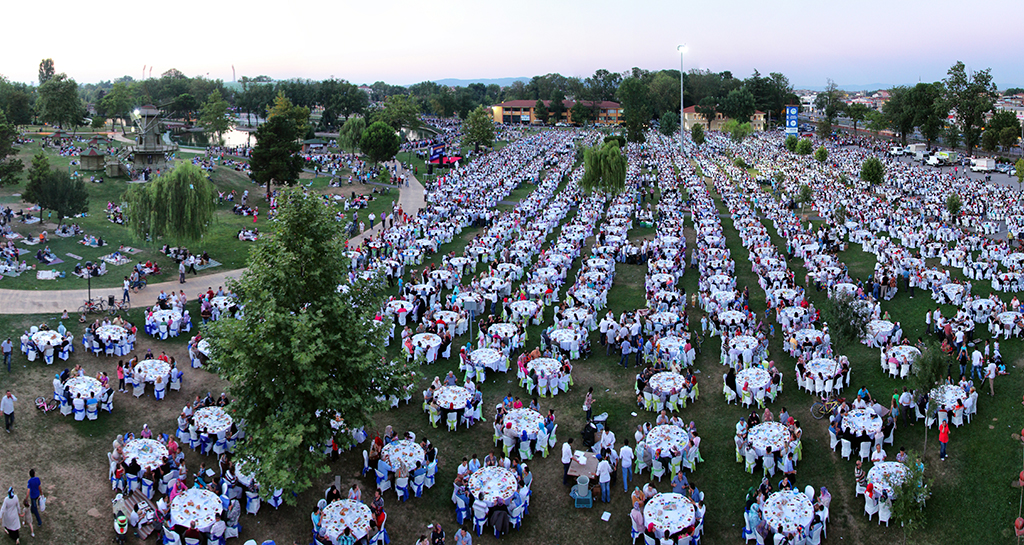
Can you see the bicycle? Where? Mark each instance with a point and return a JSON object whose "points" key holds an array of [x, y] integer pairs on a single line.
{"points": [[119, 306], [92, 305], [825, 406]]}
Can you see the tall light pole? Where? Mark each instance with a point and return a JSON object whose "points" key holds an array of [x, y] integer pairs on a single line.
{"points": [[682, 116]]}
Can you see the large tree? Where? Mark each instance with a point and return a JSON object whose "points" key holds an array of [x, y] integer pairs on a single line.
{"points": [[178, 205], [115, 104], [556, 107], [400, 112], [299, 115], [59, 104], [604, 168], [479, 128], [829, 104], [10, 165], [46, 70], [54, 190], [303, 352], [900, 112], [379, 142], [857, 112], [214, 115], [540, 111], [351, 132], [738, 105], [275, 156], [669, 123], [930, 110], [635, 100], [581, 113], [970, 96], [708, 109]]}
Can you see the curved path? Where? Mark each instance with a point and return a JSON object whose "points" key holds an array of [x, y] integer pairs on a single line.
{"points": [[55, 301]]}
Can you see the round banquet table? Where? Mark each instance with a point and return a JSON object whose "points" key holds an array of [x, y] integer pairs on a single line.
{"points": [[826, 367], [862, 422], [953, 291], [667, 382], [149, 452], [667, 319], [788, 511], [809, 335], [169, 316], [47, 338], [195, 505], [222, 302], [666, 437], [721, 282], [150, 369], [768, 434], [470, 301], [879, 327], [85, 386], [423, 290], [399, 305], [426, 340], [203, 347], [948, 396], [341, 514], [578, 315], [662, 280], [887, 475], [524, 419], [459, 262], [904, 352], [786, 294], [111, 333], [744, 342], [489, 358], [731, 317], [453, 398], [536, 289], [214, 419], [546, 273], [754, 377], [723, 297], [671, 344], [981, 308], [505, 331], [844, 288], [524, 308], [1009, 317], [565, 337], [792, 314], [403, 452], [586, 295], [598, 263], [494, 482], [448, 317], [662, 265], [544, 367], [670, 512]]}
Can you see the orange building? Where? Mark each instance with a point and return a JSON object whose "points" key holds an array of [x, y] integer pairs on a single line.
{"points": [[691, 118], [521, 111]]}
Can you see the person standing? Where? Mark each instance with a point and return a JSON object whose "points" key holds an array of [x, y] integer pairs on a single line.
{"points": [[588, 403], [7, 407], [371, 217], [8, 348], [626, 461], [604, 475], [943, 438], [127, 287], [10, 515], [33, 495], [181, 272], [566, 460], [990, 374]]}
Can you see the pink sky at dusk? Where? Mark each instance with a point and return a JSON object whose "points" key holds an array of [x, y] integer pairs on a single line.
{"points": [[403, 42]]}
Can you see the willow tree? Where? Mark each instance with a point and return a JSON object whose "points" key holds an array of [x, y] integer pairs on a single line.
{"points": [[178, 205], [604, 168]]}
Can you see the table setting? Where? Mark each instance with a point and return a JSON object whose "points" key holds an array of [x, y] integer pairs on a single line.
{"points": [[670, 512]]}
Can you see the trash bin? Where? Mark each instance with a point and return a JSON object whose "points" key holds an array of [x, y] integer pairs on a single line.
{"points": [[110, 300]]}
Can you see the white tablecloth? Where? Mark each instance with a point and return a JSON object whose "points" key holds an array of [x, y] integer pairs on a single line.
{"points": [[666, 437], [524, 419], [111, 333], [566, 337], [47, 338], [505, 331], [169, 316], [768, 434], [452, 397], [149, 452], [886, 475], [947, 396], [214, 419], [403, 452], [862, 420], [670, 512], [489, 358], [544, 367], [667, 382], [493, 482], [826, 367], [426, 340], [150, 369], [754, 377], [195, 505], [86, 386], [788, 511], [341, 514]]}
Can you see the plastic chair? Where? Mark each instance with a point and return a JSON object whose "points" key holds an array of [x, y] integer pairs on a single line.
{"points": [[431, 474], [884, 512], [418, 481], [402, 488], [865, 450], [847, 448], [453, 421]]}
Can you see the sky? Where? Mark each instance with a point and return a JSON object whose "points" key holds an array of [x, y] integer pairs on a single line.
{"points": [[406, 41]]}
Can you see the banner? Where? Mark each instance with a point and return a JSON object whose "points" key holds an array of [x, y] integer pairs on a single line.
{"points": [[436, 152], [791, 120]]}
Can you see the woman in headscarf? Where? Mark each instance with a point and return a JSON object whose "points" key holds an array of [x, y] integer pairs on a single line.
{"points": [[10, 515]]}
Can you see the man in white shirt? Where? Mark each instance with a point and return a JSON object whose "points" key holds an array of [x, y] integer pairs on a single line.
{"points": [[878, 455], [626, 456], [990, 374], [859, 403], [905, 401], [463, 468], [7, 407], [977, 361], [604, 474], [566, 459]]}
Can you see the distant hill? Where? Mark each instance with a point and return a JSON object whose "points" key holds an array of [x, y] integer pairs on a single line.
{"points": [[877, 86], [501, 82]]}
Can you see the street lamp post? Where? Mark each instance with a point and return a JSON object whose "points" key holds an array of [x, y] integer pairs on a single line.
{"points": [[682, 116]]}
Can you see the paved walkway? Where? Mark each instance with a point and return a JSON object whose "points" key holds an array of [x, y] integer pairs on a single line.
{"points": [[55, 301]]}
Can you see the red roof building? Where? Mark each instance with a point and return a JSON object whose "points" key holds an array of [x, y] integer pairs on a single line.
{"points": [[521, 111]]}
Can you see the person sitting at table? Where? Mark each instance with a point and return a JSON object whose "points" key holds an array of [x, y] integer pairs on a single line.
{"points": [[332, 494], [753, 420], [377, 506]]}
